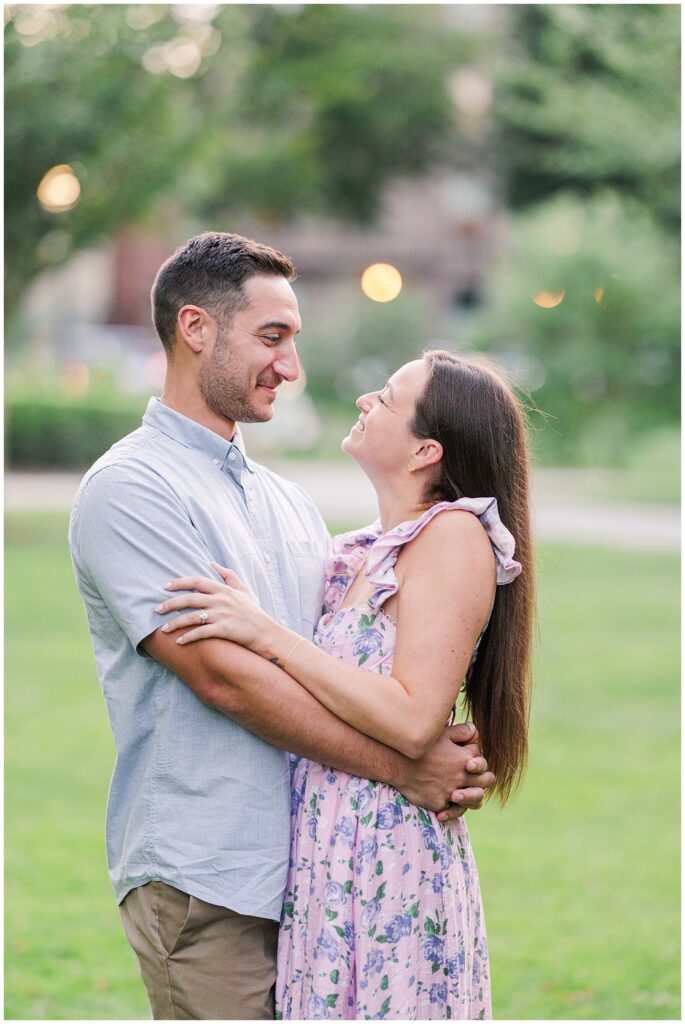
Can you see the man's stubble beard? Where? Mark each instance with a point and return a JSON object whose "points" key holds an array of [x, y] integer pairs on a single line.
{"points": [[225, 386]]}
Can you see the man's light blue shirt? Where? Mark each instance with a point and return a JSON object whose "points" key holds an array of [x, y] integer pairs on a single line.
{"points": [[196, 800]]}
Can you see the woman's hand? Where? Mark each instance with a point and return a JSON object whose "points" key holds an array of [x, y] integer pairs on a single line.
{"points": [[227, 610]]}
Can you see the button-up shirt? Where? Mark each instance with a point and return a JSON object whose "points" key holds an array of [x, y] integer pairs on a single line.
{"points": [[196, 800]]}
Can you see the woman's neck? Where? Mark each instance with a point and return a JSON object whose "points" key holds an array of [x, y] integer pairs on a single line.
{"points": [[399, 504]]}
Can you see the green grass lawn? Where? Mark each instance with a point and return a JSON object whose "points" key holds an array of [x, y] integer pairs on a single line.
{"points": [[579, 875]]}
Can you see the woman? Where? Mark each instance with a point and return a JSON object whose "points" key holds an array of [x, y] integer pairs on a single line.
{"points": [[382, 916]]}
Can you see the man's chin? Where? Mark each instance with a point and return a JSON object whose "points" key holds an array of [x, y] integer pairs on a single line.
{"points": [[257, 415]]}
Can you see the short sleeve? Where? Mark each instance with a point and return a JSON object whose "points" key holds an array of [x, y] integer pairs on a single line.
{"points": [[380, 570], [130, 535]]}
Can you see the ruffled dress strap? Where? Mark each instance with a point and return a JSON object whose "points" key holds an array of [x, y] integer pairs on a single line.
{"points": [[346, 556], [383, 552]]}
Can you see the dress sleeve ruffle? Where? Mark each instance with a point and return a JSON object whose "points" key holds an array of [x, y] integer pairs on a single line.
{"points": [[345, 558], [383, 554]]}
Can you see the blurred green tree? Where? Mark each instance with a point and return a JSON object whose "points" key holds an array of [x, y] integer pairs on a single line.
{"points": [[589, 97], [584, 304], [166, 110], [584, 312]]}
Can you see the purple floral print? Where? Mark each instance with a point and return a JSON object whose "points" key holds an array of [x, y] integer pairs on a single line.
{"points": [[382, 917]]}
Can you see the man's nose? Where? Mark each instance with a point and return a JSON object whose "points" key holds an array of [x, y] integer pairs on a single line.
{"points": [[364, 401], [287, 363]]}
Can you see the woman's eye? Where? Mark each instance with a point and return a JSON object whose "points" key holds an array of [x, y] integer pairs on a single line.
{"points": [[380, 399]]}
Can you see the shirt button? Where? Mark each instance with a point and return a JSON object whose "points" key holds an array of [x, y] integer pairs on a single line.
{"points": [[267, 557], [231, 456], [215, 461]]}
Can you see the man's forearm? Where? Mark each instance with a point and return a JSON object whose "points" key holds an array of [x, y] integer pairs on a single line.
{"points": [[267, 701]]}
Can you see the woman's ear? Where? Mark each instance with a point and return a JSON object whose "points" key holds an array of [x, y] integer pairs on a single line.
{"points": [[195, 327], [428, 453]]}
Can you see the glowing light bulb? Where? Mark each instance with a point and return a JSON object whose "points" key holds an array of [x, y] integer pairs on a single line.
{"points": [[59, 189], [381, 282], [548, 300]]}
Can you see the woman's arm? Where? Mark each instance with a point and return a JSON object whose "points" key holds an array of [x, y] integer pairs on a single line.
{"points": [[447, 581]]}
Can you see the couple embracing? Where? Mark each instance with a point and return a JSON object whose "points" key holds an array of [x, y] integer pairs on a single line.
{"points": [[229, 628]]}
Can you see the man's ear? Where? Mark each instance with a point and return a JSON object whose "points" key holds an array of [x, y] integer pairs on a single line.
{"points": [[196, 328], [427, 453]]}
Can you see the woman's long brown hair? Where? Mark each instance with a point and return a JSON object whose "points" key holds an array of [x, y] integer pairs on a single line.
{"points": [[473, 413]]}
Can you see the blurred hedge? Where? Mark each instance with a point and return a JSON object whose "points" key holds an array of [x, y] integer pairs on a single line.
{"points": [[41, 432]]}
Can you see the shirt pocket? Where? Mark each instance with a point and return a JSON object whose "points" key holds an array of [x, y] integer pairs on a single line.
{"points": [[308, 560]]}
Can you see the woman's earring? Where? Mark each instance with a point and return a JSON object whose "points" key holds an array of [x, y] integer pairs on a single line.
{"points": [[411, 466]]}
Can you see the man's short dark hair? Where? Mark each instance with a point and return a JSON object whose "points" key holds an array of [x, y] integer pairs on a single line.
{"points": [[209, 271]]}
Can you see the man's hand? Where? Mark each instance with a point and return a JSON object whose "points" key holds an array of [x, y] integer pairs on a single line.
{"points": [[280, 711], [453, 771]]}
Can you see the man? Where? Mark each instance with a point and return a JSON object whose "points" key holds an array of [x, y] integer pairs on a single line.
{"points": [[198, 810]]}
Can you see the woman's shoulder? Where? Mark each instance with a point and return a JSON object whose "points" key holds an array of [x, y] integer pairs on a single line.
{"points": [[448, 523], [449, 534], [451, 531]]}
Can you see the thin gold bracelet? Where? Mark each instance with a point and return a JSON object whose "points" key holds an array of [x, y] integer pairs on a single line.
{"points": [[293, 649]]}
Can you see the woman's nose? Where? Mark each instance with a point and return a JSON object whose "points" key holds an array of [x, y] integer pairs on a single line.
{"points": [[364, 401]]}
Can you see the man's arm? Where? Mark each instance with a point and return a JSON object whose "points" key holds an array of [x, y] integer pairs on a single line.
{"points": [[439, 618], [130, 535], [265, 700]]}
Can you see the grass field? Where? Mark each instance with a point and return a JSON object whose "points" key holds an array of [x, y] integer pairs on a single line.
{"points": [[580, 875]]}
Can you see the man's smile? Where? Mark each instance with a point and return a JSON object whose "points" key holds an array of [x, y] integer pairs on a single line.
{"points": [[269, 386]]}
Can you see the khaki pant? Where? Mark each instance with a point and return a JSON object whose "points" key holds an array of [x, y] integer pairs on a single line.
{"points": [[199, 961]]}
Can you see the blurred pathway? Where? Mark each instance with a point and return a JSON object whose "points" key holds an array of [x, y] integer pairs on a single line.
{"points": [[345, 496]]}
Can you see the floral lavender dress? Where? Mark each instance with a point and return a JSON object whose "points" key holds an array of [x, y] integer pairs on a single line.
{"points": [[382, 916]]}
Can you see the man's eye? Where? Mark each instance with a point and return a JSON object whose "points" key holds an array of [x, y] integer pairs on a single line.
{"points": [[380, 399], [271, 337]]}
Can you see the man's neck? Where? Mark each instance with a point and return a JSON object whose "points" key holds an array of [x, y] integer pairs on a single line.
{"points": [[194, 407]]}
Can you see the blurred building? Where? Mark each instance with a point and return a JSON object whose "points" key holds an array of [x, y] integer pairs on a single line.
{"points": [[438, 232], [92, 315], [90, 319]]}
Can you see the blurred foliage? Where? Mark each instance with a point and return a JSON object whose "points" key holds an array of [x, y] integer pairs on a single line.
{"points": [[44, 432], [161, 114], [605, 360], [352, 345], [187, 114], [588, 97], [587, 114]]}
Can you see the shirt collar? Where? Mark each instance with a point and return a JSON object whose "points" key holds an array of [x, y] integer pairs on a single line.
{"points": [[192, 434]]}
